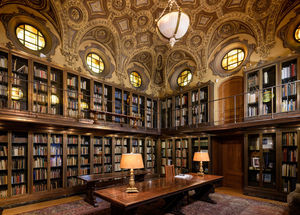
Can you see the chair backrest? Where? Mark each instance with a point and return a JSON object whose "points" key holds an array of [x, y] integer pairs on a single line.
{"points": [[170, 171]]}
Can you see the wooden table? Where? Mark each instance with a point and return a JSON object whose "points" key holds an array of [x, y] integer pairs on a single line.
{"points": [[172, 190], [106, 179]]}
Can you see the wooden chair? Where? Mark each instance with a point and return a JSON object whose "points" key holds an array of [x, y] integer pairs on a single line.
{"points": [[170, 171]]}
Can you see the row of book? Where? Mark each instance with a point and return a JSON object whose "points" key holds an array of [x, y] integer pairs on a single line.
{"points": [[97, 169], [252, 97], [288, 105], [40, 150], [166, 144], [38, 108], [117, 158], [72, 150], [107, 159], [181, 153], [3, 179], [55, 173], [252, 111], [289, 185], [37, 138], [98, 90], [289, 139], [72, 172], [3, 90], [56, 161], [40, 86], [3, 150], [40, 162], [17, 178], [56, 150], [72, 113], [252, 81], [39, 187], [40, 73], [289, 155], [83, 84], [84, 161], [17, 164], [53, 76], [72, 161], [84, 150], [40, 98], [149, 164], [55, 184], [3, 61], [107, 150], [289, 89], [72, 104], [84, 171], [18, 190], [98, 160], [181, 144], [289, 170], [39, 174], [107, 168], [72, 81], [97, 150], [289, 71], [72, 140]]}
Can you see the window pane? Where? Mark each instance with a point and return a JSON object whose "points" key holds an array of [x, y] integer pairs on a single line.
{"points": [[135, 79], [297, 34], [233, 59], [31, 37], [95, 63], [184, 78]]}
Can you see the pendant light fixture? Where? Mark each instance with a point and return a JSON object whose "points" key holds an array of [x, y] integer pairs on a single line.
{"points": [[174, 24]]}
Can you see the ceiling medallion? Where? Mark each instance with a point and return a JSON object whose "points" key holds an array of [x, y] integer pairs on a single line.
{"points": [[174, 24]]}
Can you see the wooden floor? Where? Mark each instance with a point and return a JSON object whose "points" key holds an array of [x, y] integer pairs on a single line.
{"points": [[41, 205]]}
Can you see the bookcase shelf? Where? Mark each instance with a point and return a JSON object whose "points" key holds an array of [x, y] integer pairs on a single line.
{"points": [[108, 167], [40, 88], [272, 88], [271, 162], [3, 80], [189, 108], [98, 154], [40, 162], [19, 164], [19, 89], [3, 165], [72, 95], [85, 95]]}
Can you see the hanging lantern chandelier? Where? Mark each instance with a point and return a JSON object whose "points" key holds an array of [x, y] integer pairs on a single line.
{"points": [[174, 24]]}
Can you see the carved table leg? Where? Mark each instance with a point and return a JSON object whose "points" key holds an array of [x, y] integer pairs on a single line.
{"points": [[173, 204], [1, 210], [202, 193], [90, 198]]}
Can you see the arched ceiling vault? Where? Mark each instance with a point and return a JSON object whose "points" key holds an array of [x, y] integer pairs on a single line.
{"points": [[127, 28]]}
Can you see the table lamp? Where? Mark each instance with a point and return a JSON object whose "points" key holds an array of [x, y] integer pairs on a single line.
{"points": [[131, 161], [201, 156]]}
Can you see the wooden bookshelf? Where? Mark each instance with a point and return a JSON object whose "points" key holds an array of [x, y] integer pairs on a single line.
{"points": [[72, 96], [4, 167], [3, 80], [263, 98], [72, 160], [56, 161]]}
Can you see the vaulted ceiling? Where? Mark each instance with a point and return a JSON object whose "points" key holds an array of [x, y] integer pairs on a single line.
{"points": [[126, 29]]}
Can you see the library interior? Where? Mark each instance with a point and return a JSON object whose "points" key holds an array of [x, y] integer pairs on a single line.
{"points": [[149, 107]]}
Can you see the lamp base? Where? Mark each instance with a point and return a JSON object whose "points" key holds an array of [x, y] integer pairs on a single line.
{"points": [[131, 190], [200, 174]]}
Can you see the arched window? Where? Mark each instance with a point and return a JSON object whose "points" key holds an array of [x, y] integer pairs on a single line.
{"points": [[233, 59], [135, 79], [297, 34], [95, 63], [30, 37], [184, 78]]}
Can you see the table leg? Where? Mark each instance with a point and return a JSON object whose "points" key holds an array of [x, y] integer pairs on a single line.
{"points": [[117, 210], [1, 210], [90, 198], [202, 193]]}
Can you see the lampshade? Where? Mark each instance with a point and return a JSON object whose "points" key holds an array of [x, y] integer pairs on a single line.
{"points": [[201, 156], [131, 161], [173, 25]]}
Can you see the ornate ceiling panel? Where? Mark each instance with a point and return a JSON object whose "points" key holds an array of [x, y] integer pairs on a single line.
{"points": [[127, 27]]}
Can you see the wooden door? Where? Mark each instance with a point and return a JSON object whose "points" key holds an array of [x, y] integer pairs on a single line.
{"points": [[231, 107], [228, 159]]}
